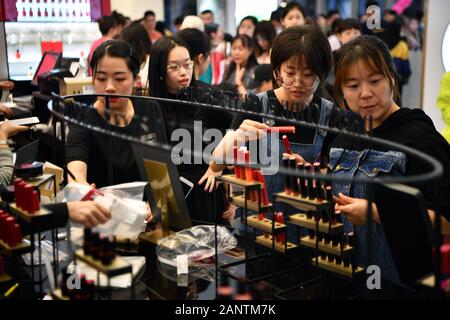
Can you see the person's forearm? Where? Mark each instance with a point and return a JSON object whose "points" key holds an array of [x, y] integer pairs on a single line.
{"points": [[223, 151], [79, 171]]}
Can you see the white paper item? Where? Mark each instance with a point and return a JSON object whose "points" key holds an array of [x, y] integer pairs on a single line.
{"points": [[127, 216], [182, 264]]}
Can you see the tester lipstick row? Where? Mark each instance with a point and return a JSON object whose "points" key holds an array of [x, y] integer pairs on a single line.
{"points": [[27, 198], [100, 248], [10, 230], [335, 240], [311, 188], [242, 156], [345, 261]]}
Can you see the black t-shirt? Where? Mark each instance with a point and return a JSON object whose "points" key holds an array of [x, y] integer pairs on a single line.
{"points": [[302, 134], [96, 149], [183, 116], [412, 128]]}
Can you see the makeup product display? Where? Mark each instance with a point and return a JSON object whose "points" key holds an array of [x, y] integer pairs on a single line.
{"points": [[11, 239], [85, 291], [99, 248], [98, 253], [325, 234]]}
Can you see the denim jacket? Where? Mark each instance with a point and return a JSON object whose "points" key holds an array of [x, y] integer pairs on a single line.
{"points": [[369, 164], [309, 152]]}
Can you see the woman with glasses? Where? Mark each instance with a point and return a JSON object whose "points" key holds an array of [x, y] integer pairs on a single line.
{"points": [[171, 73], [301, 58], [199, 47]]}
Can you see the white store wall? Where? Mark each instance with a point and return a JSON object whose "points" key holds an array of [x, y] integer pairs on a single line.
{"points": [[135, 8], [437, 20]]}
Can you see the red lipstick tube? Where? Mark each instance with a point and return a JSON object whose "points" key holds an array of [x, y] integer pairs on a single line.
{"points": [[287, 145], [237, 170], [241, 161], [35, 202], [3, 230], [256, 197], [276, 218], [17, 234], [19, 194], [17, 189], [283, 234], [287, 178], [10, 223], [283, 130], [27, 193], [264, 195], [248, 170]]}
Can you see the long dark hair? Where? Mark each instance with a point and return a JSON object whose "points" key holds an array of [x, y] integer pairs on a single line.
{"points": [[370, 50], [247, 42], [136, 35], [116, 49], [158, 64], [106, 23], [266, 30], [198, 42]]}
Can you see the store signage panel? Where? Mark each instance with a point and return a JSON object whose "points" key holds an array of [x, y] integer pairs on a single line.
{"points": [[52, 10]]}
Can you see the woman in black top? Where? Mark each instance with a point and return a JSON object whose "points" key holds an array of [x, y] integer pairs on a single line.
{"points": [[171, 74], [366, 83], [115, 66], [199, 46]]}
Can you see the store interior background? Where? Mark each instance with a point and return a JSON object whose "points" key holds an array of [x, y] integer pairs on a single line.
{"points": [[427, 64]]}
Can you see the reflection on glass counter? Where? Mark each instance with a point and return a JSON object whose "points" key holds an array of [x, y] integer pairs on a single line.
{"points": [[26, 43]]}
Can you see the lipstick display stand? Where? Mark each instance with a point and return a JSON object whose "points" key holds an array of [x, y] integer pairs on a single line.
{"points": [[268, 226], [35, 223], [337, 252], [117, 267], [99, 254], [252, 202]]}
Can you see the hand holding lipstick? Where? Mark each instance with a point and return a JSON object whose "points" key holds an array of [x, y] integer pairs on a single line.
{"points": [[251, 130], [298, 158], [355, 209]]}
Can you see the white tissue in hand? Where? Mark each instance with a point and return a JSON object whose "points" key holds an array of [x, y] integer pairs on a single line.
{"points": [[76, 191], [127, 216]]}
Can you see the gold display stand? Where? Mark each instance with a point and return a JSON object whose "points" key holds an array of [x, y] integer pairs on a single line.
{"points": [[301, 220], [337, 268], [19, 249], [117, 267], [326, 247], [268, 242]]}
